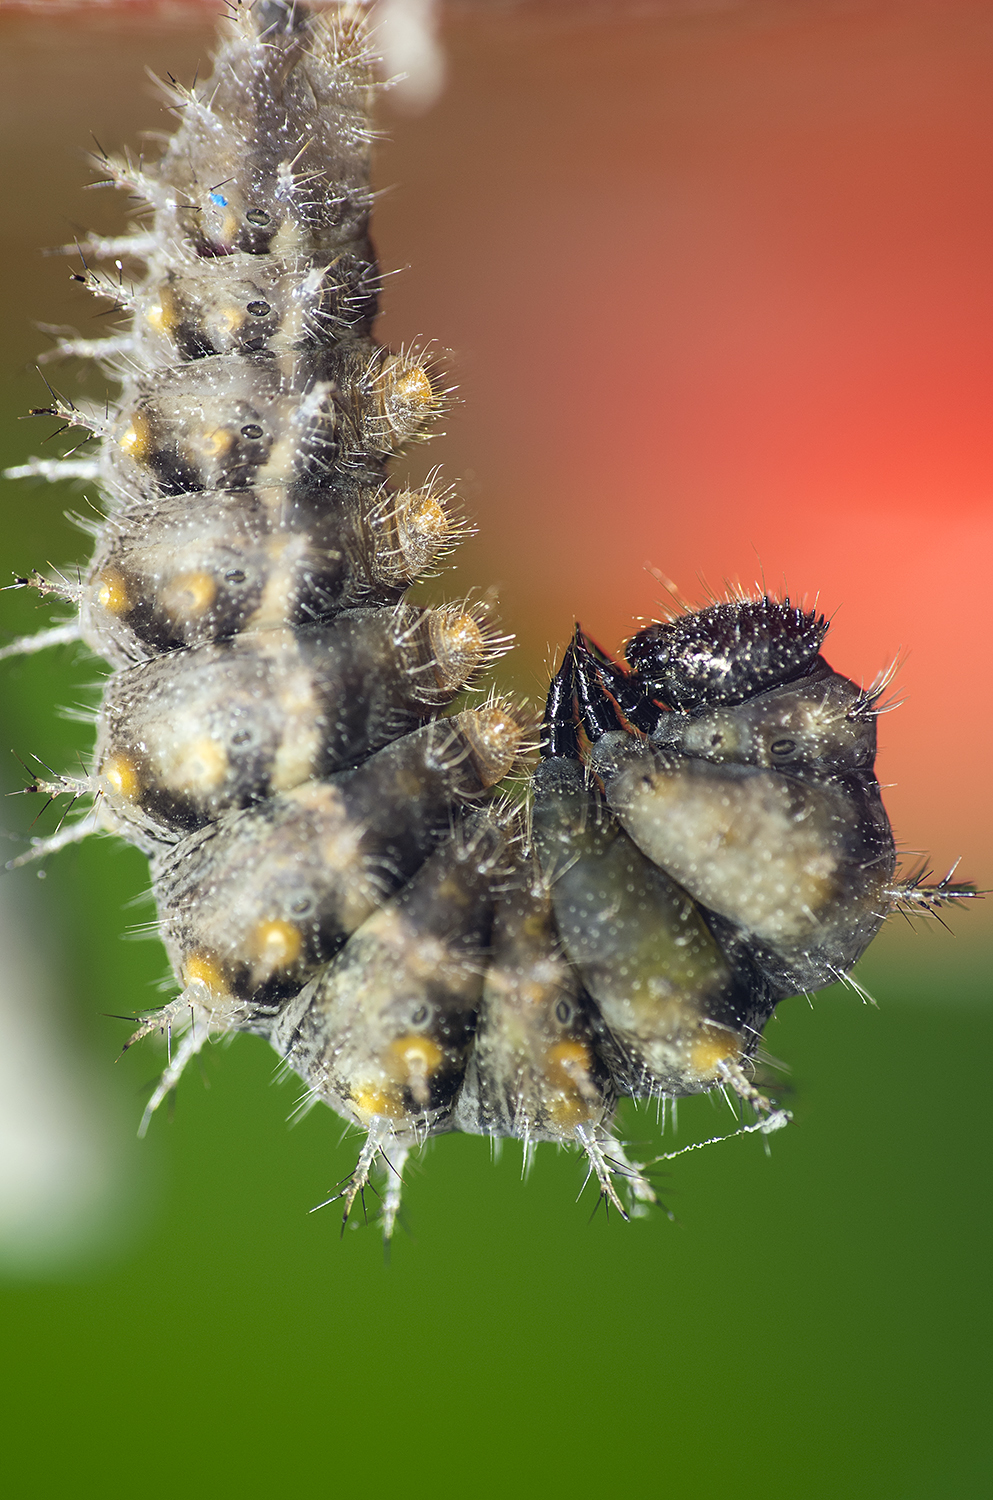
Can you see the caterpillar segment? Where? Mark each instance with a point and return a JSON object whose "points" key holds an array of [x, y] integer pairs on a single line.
{"points": [[336, 865], [537, 1070], [168, 575], [385, 1033], [187, 736]]}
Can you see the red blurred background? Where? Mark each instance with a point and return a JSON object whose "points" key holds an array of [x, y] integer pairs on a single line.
{"points": [[714, 283]]}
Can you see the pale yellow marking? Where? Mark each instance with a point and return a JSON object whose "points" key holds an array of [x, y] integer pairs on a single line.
{"points": [[279, 593], [214, 442], [288, 240], [230, 319], [199, 765], [136, 439], [189, 594], [276, 944], [300, 741], [112, 595]]}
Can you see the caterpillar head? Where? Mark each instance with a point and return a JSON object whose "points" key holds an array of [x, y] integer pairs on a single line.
{"points": [[727, 652]]}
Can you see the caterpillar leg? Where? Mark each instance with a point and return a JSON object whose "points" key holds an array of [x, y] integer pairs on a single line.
{"points": [[640, 1194], [192, 1008], [379, 1136], [607, 1162], [395, 1163], [734, 1076]]}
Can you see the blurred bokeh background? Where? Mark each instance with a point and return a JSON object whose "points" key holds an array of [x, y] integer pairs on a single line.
{"points": [[714, 282]]}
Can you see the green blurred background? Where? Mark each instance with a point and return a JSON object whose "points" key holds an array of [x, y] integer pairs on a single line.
{"points": [[714, 283]]}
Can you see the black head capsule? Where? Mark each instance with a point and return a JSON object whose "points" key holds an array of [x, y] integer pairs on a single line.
{"points": [[727, 652]]}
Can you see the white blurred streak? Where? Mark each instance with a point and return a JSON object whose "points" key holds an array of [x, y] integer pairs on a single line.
{"points": [[58, 1173], [406, 36]]}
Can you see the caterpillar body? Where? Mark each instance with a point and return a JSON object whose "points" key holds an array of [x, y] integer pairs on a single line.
{"points": [[336, 862]]}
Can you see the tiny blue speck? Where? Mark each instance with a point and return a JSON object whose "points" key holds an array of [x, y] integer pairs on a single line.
{"points": [[219, 199]]}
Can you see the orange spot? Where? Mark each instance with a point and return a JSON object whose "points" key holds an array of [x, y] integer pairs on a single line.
{"points": [[200, 967], [136, 439], [412, 387], [121, 774], [112, 595], [428, 519], [367, 1102], [494, 737], [714, 1045]]}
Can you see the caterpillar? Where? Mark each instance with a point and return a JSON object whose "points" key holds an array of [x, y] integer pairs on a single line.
{"points": [[337, 864]]}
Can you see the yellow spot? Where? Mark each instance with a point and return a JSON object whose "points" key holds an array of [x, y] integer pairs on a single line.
{"points": [[568, 1071], [155, 318], [276, 944], [122, 775], [189, 594], [112, 595], [205, 969], [567, 1062], [136, 439], [715, 1044], [229, 228], [417, 1054], [368, 1102], [414, 1058]]}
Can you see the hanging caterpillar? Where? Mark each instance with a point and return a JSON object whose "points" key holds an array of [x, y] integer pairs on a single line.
{"points": [[336, 863]]}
